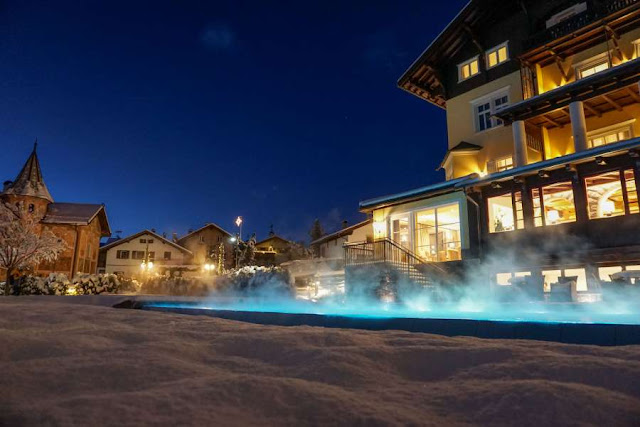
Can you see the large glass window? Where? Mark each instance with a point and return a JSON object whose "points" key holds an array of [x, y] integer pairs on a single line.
{"points": [[438, 233], [611, 194], [553, 204], [505, 212], [589, 68], [400, 231]]}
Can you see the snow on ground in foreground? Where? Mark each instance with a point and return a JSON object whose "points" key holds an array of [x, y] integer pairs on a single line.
{"points": [[65, 364]]}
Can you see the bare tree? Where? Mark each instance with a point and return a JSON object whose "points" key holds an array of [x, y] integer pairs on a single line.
{"points": [[22, 243]]}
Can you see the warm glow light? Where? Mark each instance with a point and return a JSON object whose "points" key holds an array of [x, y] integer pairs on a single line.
{"points": [[150, 265], [482, 174], [553, 216], [232, 239], [143, 265], [608, 207], [209, 267], [239, 221], [379, 227]]}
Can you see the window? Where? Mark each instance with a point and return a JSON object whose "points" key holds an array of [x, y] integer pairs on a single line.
{"points": [[592, 66], [611, 134], [486, 107], [167, 256], [438, 233], [468, 69], [611, 194], [504, 279], [122, 254], [150, 241], [400, 230], [505, 212], [636, 48], [137, 254], [31, 208], [499, 165], [498, 55], [581, 277], [152, 255], [143, 240], [553, 204]]}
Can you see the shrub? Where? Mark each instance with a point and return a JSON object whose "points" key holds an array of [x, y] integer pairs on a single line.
{"points": [[94, 284], [163, 285], [256, 281]]}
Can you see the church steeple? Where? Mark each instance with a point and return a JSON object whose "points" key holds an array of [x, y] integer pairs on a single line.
{"points": [[29, 181]]}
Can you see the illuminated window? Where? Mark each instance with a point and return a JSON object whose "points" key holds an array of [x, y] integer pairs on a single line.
{"points": [[505, 279], [505, 212], [498, 55], [553, 204], [468, 69], [608, 197], [400, 230], [605, 272], [611, 134], [550, 277], [581, 277], [592, 66], [438, 233], [501, 164], [486, 107], [636, 48]]}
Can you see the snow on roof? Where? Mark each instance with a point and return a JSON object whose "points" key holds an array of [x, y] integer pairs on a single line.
{"points": [[76, 214], [343, 232], [475, 179], [207, 225], [142, 233]]}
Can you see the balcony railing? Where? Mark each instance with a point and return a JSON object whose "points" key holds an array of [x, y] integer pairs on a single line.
{"points": [[387, 253], [595, 12]]}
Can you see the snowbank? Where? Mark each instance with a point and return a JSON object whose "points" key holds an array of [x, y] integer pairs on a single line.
{"points": [[74, 364]]}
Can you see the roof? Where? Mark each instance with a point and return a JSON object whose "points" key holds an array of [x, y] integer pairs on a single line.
{"points": [[461, 148], [341, 233], [77, 214], [142, 233], [429, 190], [276, 237], [29, 181], [475, 179], [207, 225]]}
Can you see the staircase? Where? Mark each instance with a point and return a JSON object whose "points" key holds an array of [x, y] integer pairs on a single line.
{"points": [[388, 257]]}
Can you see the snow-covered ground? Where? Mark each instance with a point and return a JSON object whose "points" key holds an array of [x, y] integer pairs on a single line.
{"points": [[65, 364]]}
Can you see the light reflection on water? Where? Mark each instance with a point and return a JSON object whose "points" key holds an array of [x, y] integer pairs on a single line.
{"points": [[467, 310]]}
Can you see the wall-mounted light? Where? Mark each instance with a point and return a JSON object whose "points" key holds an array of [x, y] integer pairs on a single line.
{"points": [[601, 161], [543, 174], [379, 227], [495, 185]]}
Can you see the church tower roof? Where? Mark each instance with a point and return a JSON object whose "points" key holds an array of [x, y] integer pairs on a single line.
{"points": [[29, 181]]}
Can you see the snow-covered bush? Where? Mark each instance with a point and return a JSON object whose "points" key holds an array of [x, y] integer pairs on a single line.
{"points": [[93, 284], [128, 286], [54, 284], [163, 285], [256, 280]]}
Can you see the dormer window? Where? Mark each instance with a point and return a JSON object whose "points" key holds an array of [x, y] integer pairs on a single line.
{"points": [[468, 69], [31, 208], [498, 55]]}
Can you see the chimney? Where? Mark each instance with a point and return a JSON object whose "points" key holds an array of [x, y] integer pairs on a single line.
{"points": [[153, 230], [164, 234], [174, 237], [6, 185], [345, 223]]}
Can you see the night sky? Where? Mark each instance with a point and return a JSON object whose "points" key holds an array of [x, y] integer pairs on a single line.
{"points": [[178, 113]]}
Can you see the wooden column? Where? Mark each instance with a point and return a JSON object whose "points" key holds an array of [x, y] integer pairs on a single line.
{"points": [[578, 126], [519, 143]]}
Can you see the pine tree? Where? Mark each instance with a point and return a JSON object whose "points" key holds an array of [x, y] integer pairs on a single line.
{"points": [[316, 231]]}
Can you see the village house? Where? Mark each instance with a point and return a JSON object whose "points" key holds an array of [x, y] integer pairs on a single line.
{"points": [[542, 105], [331, 246], [79, 225], [145, 253], [205, 243]]}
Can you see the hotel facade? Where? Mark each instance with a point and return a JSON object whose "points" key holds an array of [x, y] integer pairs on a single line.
{"points": [[543, 162]]}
